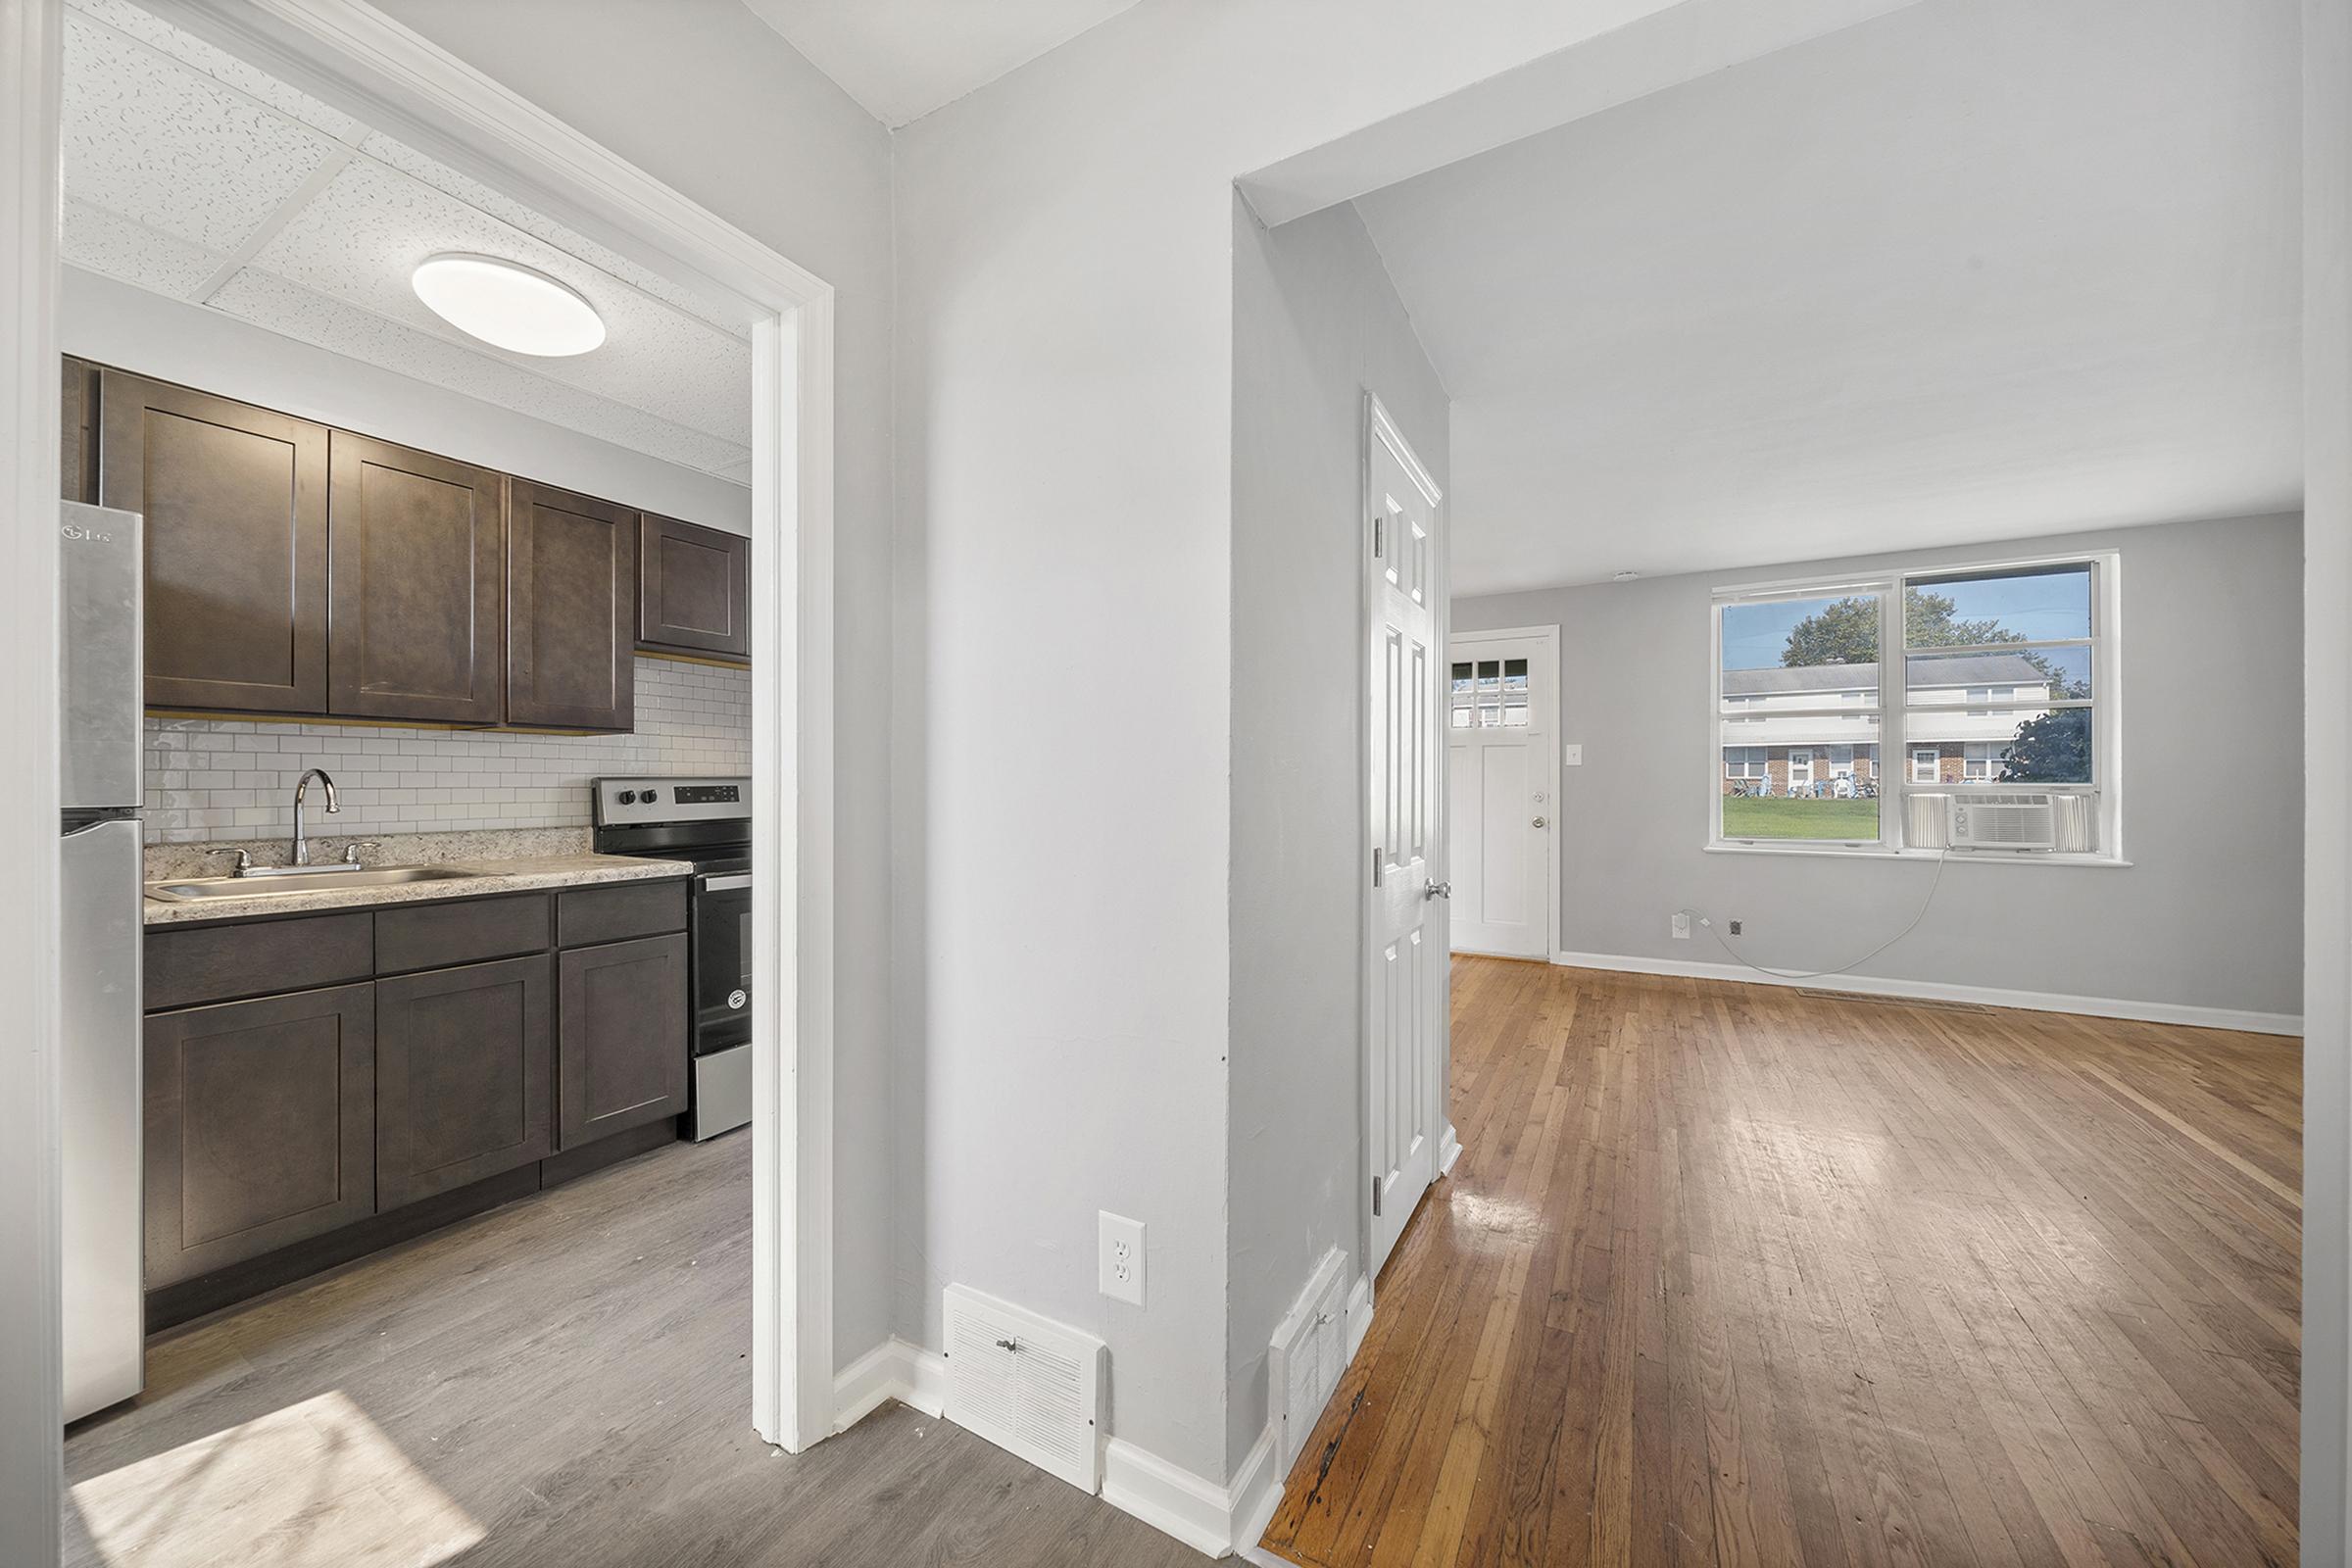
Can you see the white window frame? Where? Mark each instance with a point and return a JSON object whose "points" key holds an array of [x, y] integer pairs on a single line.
{"points": [[1932, 754], [1894, 713]]}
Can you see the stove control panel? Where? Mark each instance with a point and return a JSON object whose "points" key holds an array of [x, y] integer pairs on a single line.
{"points": [[637, 802]]}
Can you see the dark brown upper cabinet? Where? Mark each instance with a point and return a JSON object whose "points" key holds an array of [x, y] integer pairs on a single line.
{"points": [[417, 586], [235, 499], [572, 611], [77, 429], [696, 595]]}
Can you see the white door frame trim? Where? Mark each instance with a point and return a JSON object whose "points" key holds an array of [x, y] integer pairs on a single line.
{"points": [[350, 53], [1381, 426], [31, 1358], [1550, 637]]}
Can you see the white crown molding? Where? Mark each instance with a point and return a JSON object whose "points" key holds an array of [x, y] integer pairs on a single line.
{"points": [[2171, 1013]]}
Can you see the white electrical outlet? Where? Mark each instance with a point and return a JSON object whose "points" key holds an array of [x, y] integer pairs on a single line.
{"points": [[1573, 754], [1119, 1263], [1682, 927]]}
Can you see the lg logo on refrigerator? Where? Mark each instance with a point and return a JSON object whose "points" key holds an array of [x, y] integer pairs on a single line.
{"points": [[89, 535]]}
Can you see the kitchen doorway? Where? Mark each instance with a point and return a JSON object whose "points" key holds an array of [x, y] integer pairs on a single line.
{"points": [[356, 56]]}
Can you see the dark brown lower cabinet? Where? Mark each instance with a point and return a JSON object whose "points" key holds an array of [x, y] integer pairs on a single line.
{"points": [[461, 1076], [260, 1126], [620, 1040]]}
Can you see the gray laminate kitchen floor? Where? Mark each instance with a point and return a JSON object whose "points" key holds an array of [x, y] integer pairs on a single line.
{"points": [[563, 1383]]}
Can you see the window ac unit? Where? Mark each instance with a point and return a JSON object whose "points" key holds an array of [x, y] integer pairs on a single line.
{"points": [[2002, 821]]}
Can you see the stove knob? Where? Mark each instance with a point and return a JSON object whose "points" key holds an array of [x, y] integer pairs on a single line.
{"points": [[648, 797], [627, 797]]}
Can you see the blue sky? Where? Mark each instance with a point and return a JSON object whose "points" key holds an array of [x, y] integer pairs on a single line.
{"points": [[2052, 605]]}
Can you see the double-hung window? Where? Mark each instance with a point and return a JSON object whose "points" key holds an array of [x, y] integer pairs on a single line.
{"points": [[1994, 679]]}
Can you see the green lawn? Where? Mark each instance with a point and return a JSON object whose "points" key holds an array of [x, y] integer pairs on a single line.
{"points": [[1746, 818]]}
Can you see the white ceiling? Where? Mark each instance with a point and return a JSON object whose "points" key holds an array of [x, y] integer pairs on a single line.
{"points": [[902, 58], [1976, 270], [193, 174]]}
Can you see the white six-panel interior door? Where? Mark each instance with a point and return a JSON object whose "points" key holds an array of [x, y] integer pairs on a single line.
{"points": [[1406, 1003], [1502, 789]]}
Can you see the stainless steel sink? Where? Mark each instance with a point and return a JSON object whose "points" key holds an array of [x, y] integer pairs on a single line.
{"points": [[321, 881]]}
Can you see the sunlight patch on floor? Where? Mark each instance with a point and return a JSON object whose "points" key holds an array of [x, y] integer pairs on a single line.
{"points": [[314, 1485]]}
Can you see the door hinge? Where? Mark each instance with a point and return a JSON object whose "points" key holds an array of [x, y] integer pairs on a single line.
{"points": [[1376, 1197], [1376, 859], [1380, 534]]}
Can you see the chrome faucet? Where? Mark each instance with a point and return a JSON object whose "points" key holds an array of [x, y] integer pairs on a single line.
{"points": [[302, 787]]}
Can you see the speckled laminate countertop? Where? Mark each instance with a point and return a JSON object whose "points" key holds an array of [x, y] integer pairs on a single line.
{"points": [[517, 874]]}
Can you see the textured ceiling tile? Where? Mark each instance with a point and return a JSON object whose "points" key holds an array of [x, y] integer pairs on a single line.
{"points": [[409, 161], [313, 318], [220, 66], [360, 238], [100, 241], [155, 142]]}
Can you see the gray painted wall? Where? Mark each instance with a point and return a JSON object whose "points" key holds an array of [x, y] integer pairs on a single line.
{"points": [[1315, 322], [2208, 914]]}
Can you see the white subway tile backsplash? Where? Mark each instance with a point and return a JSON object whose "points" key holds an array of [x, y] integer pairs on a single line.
{"points": [[232, 778]]}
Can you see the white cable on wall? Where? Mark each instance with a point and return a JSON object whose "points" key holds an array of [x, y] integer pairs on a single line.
{"points": [[1933, 883]]}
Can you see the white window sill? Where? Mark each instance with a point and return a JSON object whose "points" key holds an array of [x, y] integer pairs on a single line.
{"points": [[1875, 852]]}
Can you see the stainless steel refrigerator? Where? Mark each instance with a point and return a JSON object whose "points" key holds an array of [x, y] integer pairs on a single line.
{"points": [[100, 931]]}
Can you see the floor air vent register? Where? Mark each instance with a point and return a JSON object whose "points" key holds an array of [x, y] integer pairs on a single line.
{"points": [[1028, 1385]]}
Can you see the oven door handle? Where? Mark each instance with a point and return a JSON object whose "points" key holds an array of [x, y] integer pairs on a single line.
{"points": [[726, 884]]}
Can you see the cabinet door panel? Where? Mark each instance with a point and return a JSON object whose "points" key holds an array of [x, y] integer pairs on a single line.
{"points": [[260, 1126], [696, 589], [463, 1088], [571, 592], [77, 433], [235, 499], [620, 1037], [418, 585]]}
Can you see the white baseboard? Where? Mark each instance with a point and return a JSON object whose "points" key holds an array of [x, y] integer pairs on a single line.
{"points": [[1449, 1149], [2174, 1013], [1256, 1494], [1360, 1314], [1173, 1501], [892, 1370]]}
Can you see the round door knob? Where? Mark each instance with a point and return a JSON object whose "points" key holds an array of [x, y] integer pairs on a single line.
{"points": [[1439, 890]]}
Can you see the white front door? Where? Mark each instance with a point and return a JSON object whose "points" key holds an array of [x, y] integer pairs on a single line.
{"points": [[1406, 1002], [1500, 705], [1801, 768]]}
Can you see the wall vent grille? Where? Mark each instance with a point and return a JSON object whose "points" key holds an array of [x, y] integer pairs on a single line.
{"points": [[1028, 1385], [1308, 1352]]}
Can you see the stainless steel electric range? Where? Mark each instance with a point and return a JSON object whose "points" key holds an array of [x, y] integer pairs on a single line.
{"points": [[707, 821]]}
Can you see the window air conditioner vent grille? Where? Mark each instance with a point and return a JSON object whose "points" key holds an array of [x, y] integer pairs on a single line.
{"points": [[2020, 821]]}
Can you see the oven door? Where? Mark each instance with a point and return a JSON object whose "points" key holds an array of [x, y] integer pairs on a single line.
{"points": [[722, 961]]}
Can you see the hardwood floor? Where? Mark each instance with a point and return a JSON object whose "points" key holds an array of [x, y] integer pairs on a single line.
{"points": [[1742, 1275], [560, 1382]]}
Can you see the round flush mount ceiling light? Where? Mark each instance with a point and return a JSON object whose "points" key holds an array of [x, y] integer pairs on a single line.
{"points": [[508, 305]]}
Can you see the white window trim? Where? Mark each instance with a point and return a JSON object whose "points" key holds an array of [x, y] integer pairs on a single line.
{"points": [[1893, 710]]}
